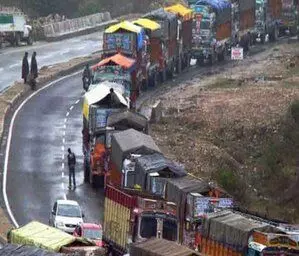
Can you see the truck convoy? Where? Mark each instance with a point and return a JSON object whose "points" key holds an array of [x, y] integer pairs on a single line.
{"points": [[146, 194], [14, 28]]}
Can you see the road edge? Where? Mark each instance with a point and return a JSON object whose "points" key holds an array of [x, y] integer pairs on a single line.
{"points": [[12, 103]]}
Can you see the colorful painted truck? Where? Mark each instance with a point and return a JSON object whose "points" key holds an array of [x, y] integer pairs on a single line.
{"points": [[131, 216], [127, 39], [234, 233], [52, 239], [98, 104], [14, 28], [185, 19], [212, 30], [289, 16], [160, 247], [154, 50], [169, 43], [123, 145]]}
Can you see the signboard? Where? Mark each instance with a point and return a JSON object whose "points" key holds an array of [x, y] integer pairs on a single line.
{"points": [[203, 205], [237, 53]]}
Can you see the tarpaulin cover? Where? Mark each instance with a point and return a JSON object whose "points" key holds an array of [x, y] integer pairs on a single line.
{"points": [[156, 163], [128, 26], [160, 14], [181, 10], [160, 247], [117, 59], [146, 23], [22, 250], [231, 228], [216, 4], [127, 119], [43, 236], [130, 141]]}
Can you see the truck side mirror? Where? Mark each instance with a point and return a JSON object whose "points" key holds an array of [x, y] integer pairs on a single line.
{"points": [[83, 215]]}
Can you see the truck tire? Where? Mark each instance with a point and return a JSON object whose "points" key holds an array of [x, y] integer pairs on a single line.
{"points": [[274, 35], [200, 61], [179, 66], [86, 171], [293, 31], [17, 39], [262, 39], [221, 56], [163, 75]]}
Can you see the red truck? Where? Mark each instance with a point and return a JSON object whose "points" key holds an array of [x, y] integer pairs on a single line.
{"points": [[166, 45], [131, 216]]}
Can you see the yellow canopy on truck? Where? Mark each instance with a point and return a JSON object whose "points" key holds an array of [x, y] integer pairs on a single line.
{"points": [[180, 10], [125, 25], [147, 23], [43, 236]]}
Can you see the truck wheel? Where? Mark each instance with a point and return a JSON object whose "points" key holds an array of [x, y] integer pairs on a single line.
{"points": [[293, 31], [29, 40], [200, 61], [17, 39], [179, 66], [220, 56], [163, 75], [262, 39], [274, 35], [86, 171], [210, 60]]}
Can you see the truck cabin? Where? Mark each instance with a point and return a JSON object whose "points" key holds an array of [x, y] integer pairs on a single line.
{"points": [[153, 217], [256, 249], [125, 38]]}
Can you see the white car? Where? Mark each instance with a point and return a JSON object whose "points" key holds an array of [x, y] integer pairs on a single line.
{"points": [[66, 215]]}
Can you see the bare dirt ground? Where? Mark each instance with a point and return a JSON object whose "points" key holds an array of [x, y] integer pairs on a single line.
{"points": [[239, 128]]}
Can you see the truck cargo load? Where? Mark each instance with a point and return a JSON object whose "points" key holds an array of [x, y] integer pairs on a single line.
{"points": [[231, 230], [122, 145], [52, 239], [152, 171], [160, 247], [131, 216]]}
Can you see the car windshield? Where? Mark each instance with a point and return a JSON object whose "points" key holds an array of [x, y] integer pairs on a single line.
{"points": [[94, 234], [68, 210]]}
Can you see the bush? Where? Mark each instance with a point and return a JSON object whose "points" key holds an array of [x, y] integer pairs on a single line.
{"points": [[227, 179]]}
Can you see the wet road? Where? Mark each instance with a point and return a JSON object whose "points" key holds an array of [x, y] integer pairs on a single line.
{"points": [[47, 54], [37, 174]]}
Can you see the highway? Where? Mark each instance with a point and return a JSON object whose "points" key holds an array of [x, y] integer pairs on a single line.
{"points": [[37, 173], [47, 54]]}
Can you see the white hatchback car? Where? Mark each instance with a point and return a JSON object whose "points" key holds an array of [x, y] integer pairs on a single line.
{"points": [[66, 215]]}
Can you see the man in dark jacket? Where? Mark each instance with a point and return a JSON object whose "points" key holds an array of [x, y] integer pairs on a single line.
{"points": [[25, 67], [34, 69], [86, 75], [71, 160]]}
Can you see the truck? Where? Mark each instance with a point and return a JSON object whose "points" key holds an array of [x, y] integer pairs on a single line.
{"points": [[211, 31], [132, 216], [97, 106], [230, 232], [54, 240], [268, 19], [124, 145], [128, 39], [168, 40], [289, 17], [154, 49], [185, 20], [160, 247], [14, 28], [118, 69], [17, 250]]}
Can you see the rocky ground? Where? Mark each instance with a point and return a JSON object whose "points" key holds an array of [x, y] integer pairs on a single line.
{"points": [[239, 128]]}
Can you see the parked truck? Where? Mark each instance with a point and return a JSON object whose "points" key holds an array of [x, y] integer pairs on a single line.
{"points": [[168, 40], [289, 17], [98, 104], [52, 239], [232, 233], [268, 19], [128, 39], [131, 216], [14, 28], [160, 247], [185, 20]]}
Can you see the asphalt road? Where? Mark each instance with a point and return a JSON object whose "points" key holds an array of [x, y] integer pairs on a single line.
{"points": [[37, 174], [47, 54]]}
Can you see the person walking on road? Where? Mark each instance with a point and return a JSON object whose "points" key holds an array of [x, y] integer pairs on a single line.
{"points": [[86, 77], [25, 68], [33, 68], [71, 160]]}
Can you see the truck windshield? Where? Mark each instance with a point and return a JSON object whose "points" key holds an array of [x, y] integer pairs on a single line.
{"points": [[170, 229], [205, 25], [252, 252], [148, 227]]}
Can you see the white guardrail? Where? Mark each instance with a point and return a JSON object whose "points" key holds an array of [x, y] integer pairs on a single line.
{"points": [[74, 25]]}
